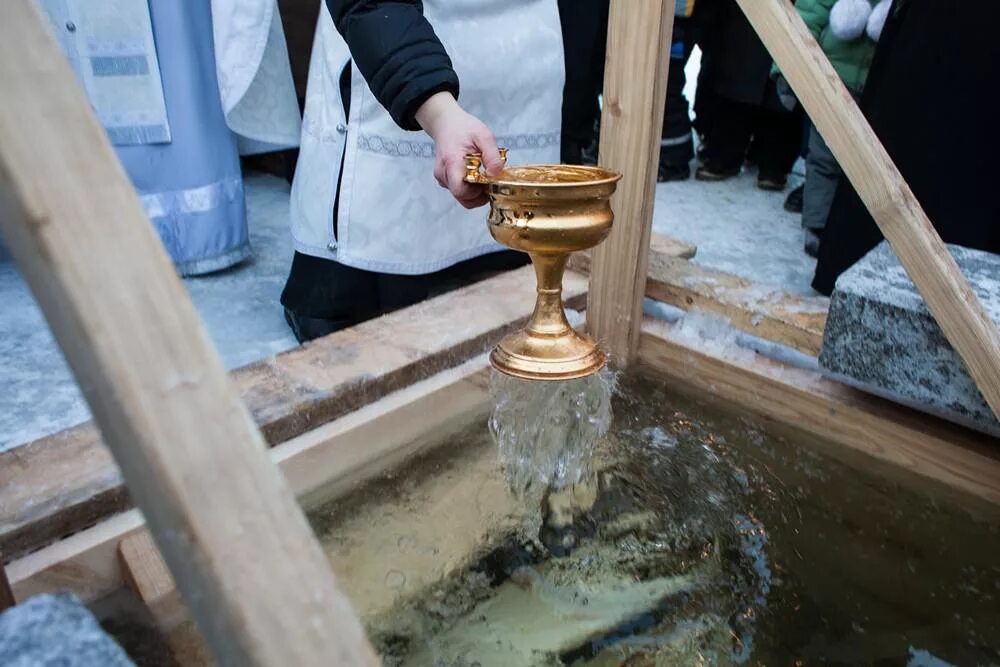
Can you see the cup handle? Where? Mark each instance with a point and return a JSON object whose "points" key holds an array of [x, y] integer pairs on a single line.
{"points": [[474, 167]]}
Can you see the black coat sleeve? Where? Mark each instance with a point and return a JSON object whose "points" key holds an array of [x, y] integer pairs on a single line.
{"points": [[397, 52]]}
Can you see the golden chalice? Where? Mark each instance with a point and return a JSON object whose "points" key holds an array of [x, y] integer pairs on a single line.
{"points": [[547, 211]]}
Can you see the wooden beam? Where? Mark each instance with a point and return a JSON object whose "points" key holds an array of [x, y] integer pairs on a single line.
{"points": [[321, 465], [883, 190], [659, 244], [248, 566], [862, 429], [635, 84], [666, 246], [780, 317], [6, 594], [52, 486], [770, 313], [147, 575]]}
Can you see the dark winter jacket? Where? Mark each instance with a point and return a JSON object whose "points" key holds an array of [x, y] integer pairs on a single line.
{"points": [[397, 52], [930, 98], [736, 64]]}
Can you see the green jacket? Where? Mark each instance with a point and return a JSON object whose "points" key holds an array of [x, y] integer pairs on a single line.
{"points": [[853, 59]]}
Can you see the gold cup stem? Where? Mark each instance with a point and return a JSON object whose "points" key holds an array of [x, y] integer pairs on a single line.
{"points": [[548, 318]]}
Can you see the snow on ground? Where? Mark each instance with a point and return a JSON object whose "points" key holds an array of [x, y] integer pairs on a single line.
{"points": [[738, 229], [240, 308]]}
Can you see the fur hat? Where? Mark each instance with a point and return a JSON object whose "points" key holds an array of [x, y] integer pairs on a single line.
{"points": [[849, 19]]}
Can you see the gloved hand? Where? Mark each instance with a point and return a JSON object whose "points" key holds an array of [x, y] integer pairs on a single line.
{"points": [[456, 133]]}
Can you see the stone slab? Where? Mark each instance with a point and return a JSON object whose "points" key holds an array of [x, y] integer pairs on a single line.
{"points": [[56, 630], [881, 337]]}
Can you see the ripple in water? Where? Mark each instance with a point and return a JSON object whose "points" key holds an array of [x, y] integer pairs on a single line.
{"points": [[547, 431]]}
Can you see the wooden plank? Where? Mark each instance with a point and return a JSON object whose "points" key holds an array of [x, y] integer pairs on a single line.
{"points": [[257, 582], [58, 484], [863, 430], [319, 466], [659, 244], [790, 319], [6, 594], [53, 487], [635, 83], [666, 246], [883, 190], [149, 578]]}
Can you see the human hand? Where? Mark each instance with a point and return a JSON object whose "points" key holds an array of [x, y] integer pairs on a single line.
{"points": [[456, 133]]}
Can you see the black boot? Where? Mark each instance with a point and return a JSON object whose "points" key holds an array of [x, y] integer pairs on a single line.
{"points": [[310, 328], [672, 172], [813, 239], [793, 202], [713, 171], [771, 182]]}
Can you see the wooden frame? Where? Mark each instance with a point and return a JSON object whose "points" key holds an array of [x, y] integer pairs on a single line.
{"points": [[318, 465], [329, 461], [52, 486], [856, 427], [162, 400]]}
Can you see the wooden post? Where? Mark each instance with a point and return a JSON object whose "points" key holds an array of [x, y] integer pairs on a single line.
{"points": [[882, 189], [148, 577], [635, 87], [244, 557], [6, 594]]}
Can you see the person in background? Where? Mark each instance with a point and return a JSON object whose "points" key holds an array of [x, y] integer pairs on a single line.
{"points": [[747, 119], [298, 20], [585, 34], [183, 88], [677, 140], [931, 99], [793, 202], [371, 229], [847, 31]]}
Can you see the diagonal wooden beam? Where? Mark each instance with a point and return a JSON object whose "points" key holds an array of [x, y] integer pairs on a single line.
{"points": [[238, 545], [882, 189]]}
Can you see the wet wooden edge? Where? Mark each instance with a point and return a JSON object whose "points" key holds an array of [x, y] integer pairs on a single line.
{"points": [[62, 483], [323, 464], [859, 429]]}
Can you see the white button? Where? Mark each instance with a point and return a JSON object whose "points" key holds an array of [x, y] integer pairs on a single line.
{"points": [[332, 246], [70, 26], [341, 128]]}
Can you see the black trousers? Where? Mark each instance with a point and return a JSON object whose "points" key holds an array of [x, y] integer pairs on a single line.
{"points": [[677, 143], [322, 296], [773, 138], [585, 30]]}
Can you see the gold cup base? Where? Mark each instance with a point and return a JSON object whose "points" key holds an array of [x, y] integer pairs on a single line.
{"points": [[567, 356]]}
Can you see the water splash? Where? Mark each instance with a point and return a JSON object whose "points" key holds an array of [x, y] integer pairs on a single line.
{"points": [[546, 432]]}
